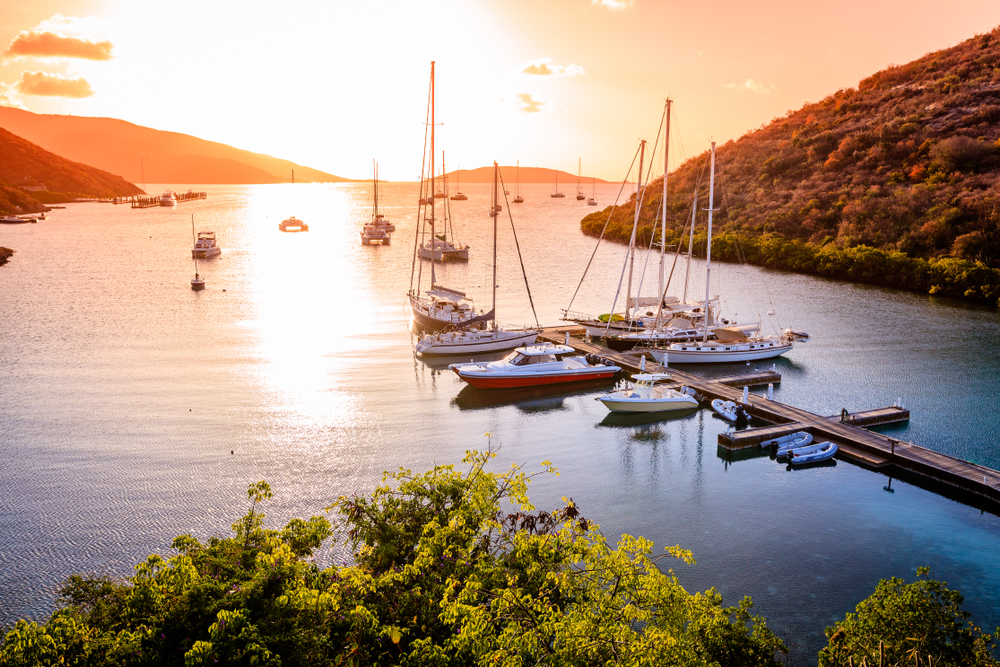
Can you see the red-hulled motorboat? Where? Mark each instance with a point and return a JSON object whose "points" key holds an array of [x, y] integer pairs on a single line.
{"points": [[533, 365]]}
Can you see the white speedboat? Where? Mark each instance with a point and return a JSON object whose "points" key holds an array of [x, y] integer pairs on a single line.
{"points": [[542, 364], [733, 412], [205, 246], [813, 453], [293, 224], [372, 235], [440, 250], [649, 394], [168, 198]]}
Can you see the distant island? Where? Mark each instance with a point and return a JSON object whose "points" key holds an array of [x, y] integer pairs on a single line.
{"points": [[895, 182], [144, 155], [511, 174]]}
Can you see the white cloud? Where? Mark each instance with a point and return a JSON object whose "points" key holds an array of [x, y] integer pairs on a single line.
{"points": [[752, 86], [53, 85], [9, 97], [544, 67], [528, 104], [698, 53], [613, 5], [70, 24]]}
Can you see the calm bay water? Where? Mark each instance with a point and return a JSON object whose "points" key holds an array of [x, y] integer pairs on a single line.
{"points": [[133, 410]]}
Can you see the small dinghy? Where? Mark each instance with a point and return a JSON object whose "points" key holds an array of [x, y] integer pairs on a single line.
{"points": [[784, 440], [730, 411], [811, 454], [805, 441]]}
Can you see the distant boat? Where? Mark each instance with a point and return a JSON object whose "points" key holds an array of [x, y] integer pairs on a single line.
{"points": [[557, 194], [14, 220], [293, 224], [579, 192], [372, 235], [378, 220], [458, 196], [443, 247], [518, 199], [168, 198], [593, 199], [197, 283], [205, 246]]}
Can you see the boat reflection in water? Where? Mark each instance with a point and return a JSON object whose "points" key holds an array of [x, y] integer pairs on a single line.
{"points": [[624, 419], [526, 399]]}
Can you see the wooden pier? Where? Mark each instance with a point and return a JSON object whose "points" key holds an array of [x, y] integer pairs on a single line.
{"points": [[854, 442], [146, 201]]}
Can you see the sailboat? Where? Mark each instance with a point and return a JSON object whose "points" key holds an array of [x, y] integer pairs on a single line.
{"points": [[483, 336], [439, 247], [593, 197], [292, 224], [379, 230], [732, 343], [197, 283], [458, 196], [557, 194], [518, 199], [579, 192], [439, 307]]}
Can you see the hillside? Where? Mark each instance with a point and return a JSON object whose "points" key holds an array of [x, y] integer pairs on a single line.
{"points": [[24, 163], [527, 175], [907, 164], [145, 155]]}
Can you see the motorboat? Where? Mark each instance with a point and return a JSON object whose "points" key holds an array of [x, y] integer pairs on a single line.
{"points": [[372, 235], [14, 220], [813, 453], [541, 364], [480, 337], [293, 224], [730, 411], [168, 198], [205, 246], [649, 394]]}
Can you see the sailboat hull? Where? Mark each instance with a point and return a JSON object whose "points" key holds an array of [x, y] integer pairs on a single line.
{"points": [[469, 343], [718, 354]]}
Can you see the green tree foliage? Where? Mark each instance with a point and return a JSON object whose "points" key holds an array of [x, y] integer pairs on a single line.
{"points": [[450, 568], [921, 623]]}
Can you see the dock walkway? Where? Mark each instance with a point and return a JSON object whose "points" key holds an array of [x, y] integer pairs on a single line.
{"points": [[855, 443]]}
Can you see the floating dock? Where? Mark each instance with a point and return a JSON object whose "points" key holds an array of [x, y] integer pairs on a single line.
{"points": [[855, 443]]}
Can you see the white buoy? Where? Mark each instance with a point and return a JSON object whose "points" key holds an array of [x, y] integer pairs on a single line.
{"points": [[746, 395], [770, 391], [642, 363]]}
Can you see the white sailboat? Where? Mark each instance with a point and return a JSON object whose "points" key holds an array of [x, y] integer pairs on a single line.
{"points": [[731, 344], [439, 307], [379, 230], [458, 196], [518, 199], [557, 194], [579, 192], [482, 337], [593, 197], [197, 283], [443, 247]]}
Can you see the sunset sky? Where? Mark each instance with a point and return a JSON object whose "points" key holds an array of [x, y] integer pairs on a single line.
{"points": [[333, 84]]}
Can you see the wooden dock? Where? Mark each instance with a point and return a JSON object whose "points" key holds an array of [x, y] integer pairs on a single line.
{"points": [[855, 443], [146, 201]]}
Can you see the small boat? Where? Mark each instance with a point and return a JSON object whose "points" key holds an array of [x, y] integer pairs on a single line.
{"points": [[730, 411], [205, 246], [545, 363], [458, 196], [168, 198], [648, 395], [378, 219], [804, 441], [784, 440], [518, 199], [579, 193], [293, 224], [373, 235], [197, 283], [592, 201], [813, 453], [14, 220], [557, 194]]}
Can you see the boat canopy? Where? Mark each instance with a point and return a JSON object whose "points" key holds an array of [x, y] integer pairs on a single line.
{"points": [[534, 350], [641, 301], [445, 294], [730, 335], [651, 377]]}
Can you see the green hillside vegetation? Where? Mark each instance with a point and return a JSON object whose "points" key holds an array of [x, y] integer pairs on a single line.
{"points": [[896, 181], [5, 255], [24, 163], [453, 568]]}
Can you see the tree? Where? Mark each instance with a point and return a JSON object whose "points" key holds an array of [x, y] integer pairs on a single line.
{"points": [[921, 623]]}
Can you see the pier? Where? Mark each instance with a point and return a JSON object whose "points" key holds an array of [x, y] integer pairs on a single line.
{"points": [[147, 201], [855, 443]]}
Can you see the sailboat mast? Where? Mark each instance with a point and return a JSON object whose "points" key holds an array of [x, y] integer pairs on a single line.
{"points": [[635, 227], [495, 216], [517, 193], [687, 274], [708, 252], [579, 165], [663, 215], [432, 191], [194, 239], [375, 179]]}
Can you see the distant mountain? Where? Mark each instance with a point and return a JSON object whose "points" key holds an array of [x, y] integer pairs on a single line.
{"points": [[510, 175], [22, 163], [145, 155]]}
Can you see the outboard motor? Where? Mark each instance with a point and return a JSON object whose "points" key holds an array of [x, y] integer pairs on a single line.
{"points": [[742, 417], [592, 359]]}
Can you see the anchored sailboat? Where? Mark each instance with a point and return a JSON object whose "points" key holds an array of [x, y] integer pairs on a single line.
{"points": [[579, 192], [518, 199], [443, 247]]}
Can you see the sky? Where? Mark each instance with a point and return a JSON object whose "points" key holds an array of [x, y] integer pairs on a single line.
{"points": [[333, 84]]}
